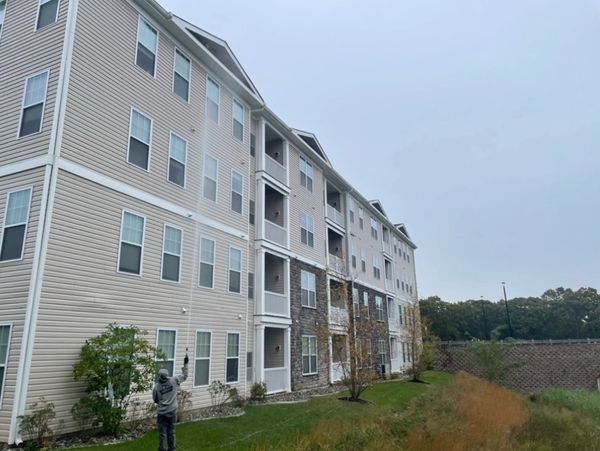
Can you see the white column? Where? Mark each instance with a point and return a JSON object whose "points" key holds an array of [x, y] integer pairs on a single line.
{"points": [[259, 353], [288, 357]]}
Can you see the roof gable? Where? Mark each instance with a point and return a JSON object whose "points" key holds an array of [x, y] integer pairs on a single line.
{"points": [[379, 207], [310, 139]]}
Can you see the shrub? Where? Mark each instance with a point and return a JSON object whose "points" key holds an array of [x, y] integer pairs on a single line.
{"points": [[235, 398], [258, 391], [219, 394], [492, 359], [183, 402], [37, 424]]}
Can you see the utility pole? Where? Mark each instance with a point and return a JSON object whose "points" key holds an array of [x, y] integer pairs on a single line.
{"points": [[507, 312], [485, 325]]}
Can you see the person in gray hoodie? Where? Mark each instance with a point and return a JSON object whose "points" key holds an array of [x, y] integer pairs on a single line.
{"points": [[165, 395]]}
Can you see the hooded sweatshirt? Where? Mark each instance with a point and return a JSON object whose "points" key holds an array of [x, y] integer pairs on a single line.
{"points": [[165, 390]]}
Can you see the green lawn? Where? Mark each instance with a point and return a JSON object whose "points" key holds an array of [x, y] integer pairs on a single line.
{"points": [[277, 427]]}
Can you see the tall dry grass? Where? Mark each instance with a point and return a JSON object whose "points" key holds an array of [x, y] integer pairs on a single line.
{"points": [[484, 417]]}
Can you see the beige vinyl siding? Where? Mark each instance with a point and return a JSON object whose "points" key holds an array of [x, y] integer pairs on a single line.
{"points": [[15, 279], [82, 291], [24, 52], [302, 200], [98, 113]]}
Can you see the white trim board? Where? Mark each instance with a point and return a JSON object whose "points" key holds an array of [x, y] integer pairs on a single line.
{"points": [[24, 165]]}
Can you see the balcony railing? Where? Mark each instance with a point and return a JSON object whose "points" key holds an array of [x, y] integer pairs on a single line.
{"points": [[394, 324], [275, 233], [338, 316], [276, 304], [337, 263], [389, 285], [387, 248], [276, 379], [276, 169], [335, 215]]}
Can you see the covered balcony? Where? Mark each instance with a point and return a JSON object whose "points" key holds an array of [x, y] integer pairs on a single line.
{"points": [[276, 300], [276, 369], [275, 216], [275, 155], [335, 244], [335, 208], [387, 241], [389, 276], [339, 357], [395, 355], [393, 321], [338, 303]]}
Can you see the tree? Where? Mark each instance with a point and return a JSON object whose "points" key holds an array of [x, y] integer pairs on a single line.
{"points": [[115, 365], [491, 358], [422, 345]]}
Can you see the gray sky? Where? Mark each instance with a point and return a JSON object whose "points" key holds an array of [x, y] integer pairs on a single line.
{"points": [[475, 122]]}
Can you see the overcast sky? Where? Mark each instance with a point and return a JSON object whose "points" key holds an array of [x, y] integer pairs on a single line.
{"points": [[475, 122]]}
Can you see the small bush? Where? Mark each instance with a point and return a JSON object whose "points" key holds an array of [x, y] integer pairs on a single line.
{"points": [[219, 393], [36, 425], [258, 391], [184, 401]]}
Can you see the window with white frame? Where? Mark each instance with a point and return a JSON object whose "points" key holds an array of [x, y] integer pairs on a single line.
{"points": [[366, 304], [47, 13], [147, 46], [309, 355], [2, 14], [382, 352], [376, 267], [165, 347], [34, 100], [237, 191], [355, 302], [363, 260], [132, 243], [307, 230], [400, 315], [182, 73], [374, 228], [235, 270], [140, 139], [171, 262], [202, 359], [378, 308], [211, 171], [361, 217], [207, 263], [306, 174], [308, 288], [238, 120], [233, 357], [177, 160], [16, 217], [351, 209], [353, 253], [4, 347], [213, 99]]}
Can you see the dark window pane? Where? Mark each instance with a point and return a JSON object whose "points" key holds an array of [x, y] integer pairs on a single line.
{"points": [[311, 239], [313, 364], [181, 87], [238, 130], [234, 281], [1, 378], [306, 364], [252, 144], [138, 153], [131, 258], [168, 365], [250, 285], [206, 275], [232, 370], [12, 243], [47, 14], [145, 59], [201, 372], [32, 120], [236, 202], [176, 172], [251, 212], [170, 270]]}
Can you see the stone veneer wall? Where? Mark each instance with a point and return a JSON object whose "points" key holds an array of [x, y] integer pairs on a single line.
{"points": [[308, 321]]}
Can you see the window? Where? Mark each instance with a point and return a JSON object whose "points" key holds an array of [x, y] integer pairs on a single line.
{"points": [[351, 209], [171, 262], [374, 228], [16, 217], [366, 304], [147, 46], [207, 263], [202, 359], [309, 355], [363, 260], [213, 96], [370, 351], [181, 76], [306, 174], [233, 357], [250, 285], [211, 170], [382, 352], [238, 120], [355, 302], [400, 315], [252, 145], [132, 243], [4, 346], [2, 12], [308, 289], [353, 253], [237, 191], [251, 212], [361, 217], [165, 344], [34, 100], [140, 138], [48, 13], [177, 160], [307, 230], [235, 270], [378, 308], [376, 267]]}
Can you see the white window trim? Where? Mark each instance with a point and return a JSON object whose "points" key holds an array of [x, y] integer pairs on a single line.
{"points": [[234, 332], [229, 269], [171, 134], [309, 355], [210, 356], [121, 241], [37, 16], [308, 164], [168, 329], [214, 80], [30, 189], [3, 385], [47, 71], [309, 219], [137, 110], [233, 120], [137, 41], [213, 262], [379, 308], [233, 171], [189, 79], [302, 288], [165, 252], [216, 201], [2, 28]]}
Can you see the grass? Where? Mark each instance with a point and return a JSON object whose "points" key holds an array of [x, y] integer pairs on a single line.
{"points": [[324, 423]]}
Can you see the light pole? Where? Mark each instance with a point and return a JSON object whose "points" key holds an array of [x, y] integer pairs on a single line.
{"points": [[507, 312]]}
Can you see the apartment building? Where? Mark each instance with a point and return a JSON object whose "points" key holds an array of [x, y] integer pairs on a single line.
{"points": [[144, 181]]}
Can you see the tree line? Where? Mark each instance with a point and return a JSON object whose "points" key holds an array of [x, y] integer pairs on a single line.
{"points": [[560, 313]]}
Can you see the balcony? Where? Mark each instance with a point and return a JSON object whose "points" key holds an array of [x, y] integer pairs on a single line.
{"points": [[276, 170], [275, 233], [335, 244], [335, 206], [276, 379], [337, 264], [338, 316], [275, 294], [275, 216], [275, 155], [388, 248], [336, 216], [276, 304], [276, 356], [389, 285]]}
